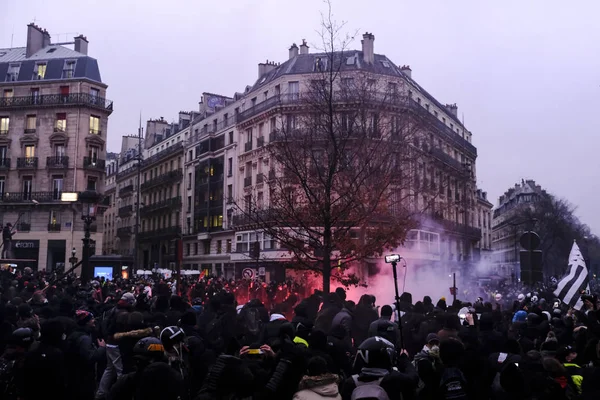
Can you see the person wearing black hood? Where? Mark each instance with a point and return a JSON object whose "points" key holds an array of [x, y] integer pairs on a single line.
{"points": [[45, 364], [12, 372], [364, 315], [331, 306], [376, 357], [82, 356]]}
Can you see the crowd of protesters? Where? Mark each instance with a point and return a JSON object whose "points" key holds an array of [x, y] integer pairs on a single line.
{"points": [[216, 339]]}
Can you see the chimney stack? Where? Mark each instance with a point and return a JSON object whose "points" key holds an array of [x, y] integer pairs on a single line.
{"points": [[293, 51], [453, 109], [46, 38], [35, 39], [406, 70], [81, 44], [368, 48], [265, 68], [303, 47]]}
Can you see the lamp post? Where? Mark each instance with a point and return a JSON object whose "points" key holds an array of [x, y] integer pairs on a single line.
{"points": [[88, 200]]}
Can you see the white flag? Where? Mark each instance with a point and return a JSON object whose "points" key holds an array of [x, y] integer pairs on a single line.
{"points": [[570, 287]]}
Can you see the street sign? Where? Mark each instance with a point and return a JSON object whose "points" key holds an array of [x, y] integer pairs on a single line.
{"points": [[261, 271], [248, 273]]}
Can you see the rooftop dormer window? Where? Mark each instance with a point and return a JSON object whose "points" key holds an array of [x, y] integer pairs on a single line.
{"points": [[69, 69], [13, 72], [39, 72]]}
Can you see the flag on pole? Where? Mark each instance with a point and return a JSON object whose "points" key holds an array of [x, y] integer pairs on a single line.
{"points": [[570, 287]]}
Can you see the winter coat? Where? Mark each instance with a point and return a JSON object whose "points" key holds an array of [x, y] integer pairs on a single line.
{"points": [[364, 315], [386, 329], [318, 387], [397, 384], [81, 358], [127, 341]]}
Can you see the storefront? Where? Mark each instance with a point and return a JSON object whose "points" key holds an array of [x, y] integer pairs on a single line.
{"points": [[26, 250]]}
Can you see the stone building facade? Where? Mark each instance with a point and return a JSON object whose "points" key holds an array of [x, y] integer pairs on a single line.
{"points": [[508, 226], [53, 130]]}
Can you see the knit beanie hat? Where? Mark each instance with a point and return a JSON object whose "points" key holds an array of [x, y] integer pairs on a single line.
{"points": [[83, 317]]}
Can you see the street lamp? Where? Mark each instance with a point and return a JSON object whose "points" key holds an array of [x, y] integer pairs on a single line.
{"points": [[89, 203]]}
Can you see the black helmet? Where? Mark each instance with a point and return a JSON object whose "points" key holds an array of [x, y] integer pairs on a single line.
{"points": [[149, 347], [171, 335], [376, 352], [22, 337]]}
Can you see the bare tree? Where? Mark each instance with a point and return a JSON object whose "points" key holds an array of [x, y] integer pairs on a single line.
{"points": [[347, 178]]}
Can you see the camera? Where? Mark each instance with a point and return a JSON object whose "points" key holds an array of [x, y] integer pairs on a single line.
{"points": [[392, 258]]}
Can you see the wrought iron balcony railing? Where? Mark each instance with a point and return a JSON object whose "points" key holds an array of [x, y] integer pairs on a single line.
{"points": [[260, 141], [57, 100], [171, 232], [173, 203], [260, 178], [57, 162], [124, 232], [125, 211], [4, 163], [247, 181], [248, 146], [165, 153], [94, 163], [27, 163], [168, 178], [126, 190], [21, 197], [53, 227]]}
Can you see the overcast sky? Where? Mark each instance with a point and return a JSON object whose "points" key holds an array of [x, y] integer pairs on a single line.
{"points": [[524, 73]]}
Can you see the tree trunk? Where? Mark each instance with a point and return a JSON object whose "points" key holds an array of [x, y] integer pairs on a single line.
{"points": [[327, 260]]}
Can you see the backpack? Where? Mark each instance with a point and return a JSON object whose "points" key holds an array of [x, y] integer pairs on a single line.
{"points": [[214, 333], [453, 385], [253, 321], [368, 390]]}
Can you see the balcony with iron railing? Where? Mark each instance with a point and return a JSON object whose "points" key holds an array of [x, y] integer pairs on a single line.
{"points": [[29, 131], [57, 162], [125, 211], [159, 206], [124, 232], [269, 103], [171, 232], [178, 147], [23, 227], [247, 146], [54, 227], [248, 181], [4, 163], [21, 197], [260, 178], [27, 163], [126, 191], [164, 179], [94, 163], [260, 141], [57, 100]]}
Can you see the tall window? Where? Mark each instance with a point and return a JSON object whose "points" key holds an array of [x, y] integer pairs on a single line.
{"points": [[91, 183], [13, 72], [3, 156], [94, 94], [59, 150], [40, 71], [2, 186], [27, 187], [94, 125], [219, 246], [93, 153], [230, 137], [294, 90], [4, 124], [54, 218], [230, 193], [29, 151], [69, 69], [57, 186], [31, 122], [230, 166], [61, 122], [228, 246], [35, 95]]}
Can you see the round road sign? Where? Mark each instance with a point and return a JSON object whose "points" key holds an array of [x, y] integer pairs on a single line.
{"points": [[248, 273]]}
